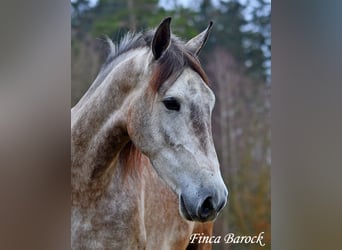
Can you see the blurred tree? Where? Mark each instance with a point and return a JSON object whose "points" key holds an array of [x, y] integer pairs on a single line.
{"points": [[247, 40], [230, 23], [81, 17], [257, 41], [122, 15]]}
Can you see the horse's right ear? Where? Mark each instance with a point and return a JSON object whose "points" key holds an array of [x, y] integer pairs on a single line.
{"points": [[161, 39]]}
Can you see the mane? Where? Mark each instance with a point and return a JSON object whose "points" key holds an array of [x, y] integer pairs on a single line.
{"points": [[170, 64], [129, 42], [131, 158]]}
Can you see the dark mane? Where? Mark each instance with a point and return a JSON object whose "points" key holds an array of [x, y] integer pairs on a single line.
{"points": [[170, 64]]}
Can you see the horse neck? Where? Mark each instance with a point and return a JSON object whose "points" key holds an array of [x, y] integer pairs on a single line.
{"points": [[99, 130]]}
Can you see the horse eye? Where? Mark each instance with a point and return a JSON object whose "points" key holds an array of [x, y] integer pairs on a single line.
{"points": [[171, 104]]}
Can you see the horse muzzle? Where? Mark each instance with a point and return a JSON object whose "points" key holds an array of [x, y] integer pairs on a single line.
{"points": [[205, 208]]}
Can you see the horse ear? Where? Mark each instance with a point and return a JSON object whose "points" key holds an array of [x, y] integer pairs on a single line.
{"points": [[196, 43], [161, 38]]}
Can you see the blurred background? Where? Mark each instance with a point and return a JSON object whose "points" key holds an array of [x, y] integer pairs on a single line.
{"points": [[237, 59]]}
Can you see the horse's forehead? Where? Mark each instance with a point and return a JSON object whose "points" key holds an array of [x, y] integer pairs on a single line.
{"points": [[191, 86]]}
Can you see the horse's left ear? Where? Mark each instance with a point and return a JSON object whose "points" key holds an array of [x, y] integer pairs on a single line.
{"points": [[161, 39], [196, 44]]}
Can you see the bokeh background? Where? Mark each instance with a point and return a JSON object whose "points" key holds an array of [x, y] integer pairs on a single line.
{"points": [[237, 59]]}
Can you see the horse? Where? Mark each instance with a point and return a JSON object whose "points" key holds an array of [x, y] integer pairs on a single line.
{"points": [[144, 170]]}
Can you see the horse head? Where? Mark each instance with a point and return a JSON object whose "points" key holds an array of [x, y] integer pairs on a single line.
{"points": [[170, 122]]}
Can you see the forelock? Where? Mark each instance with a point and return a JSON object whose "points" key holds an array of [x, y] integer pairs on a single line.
{"points": [[172, 63]]}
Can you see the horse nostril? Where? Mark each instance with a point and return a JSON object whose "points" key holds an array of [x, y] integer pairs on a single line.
{"points": [[206, 209]]}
